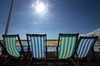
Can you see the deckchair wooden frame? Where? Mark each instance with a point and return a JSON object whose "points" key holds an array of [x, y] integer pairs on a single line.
{"points": [[3, 54], [3, 51], [21, 53], [31, 58], [71, 58]]}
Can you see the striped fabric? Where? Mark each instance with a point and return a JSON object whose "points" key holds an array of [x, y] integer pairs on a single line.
{"points": [[84, 47], [10, 44], [67, 46], [38, 46]]}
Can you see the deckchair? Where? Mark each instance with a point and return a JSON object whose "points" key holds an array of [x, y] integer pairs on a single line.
{"points": [[66, 44], [10, 45], [85, 46], [39, 50]]}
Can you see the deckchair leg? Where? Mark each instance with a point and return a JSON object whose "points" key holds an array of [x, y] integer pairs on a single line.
{"points": [[78, 63], [55, 61], [74, 62], [58, 62], [30, 62], [26, 60], [19, 61], [7, 60], [90, 62], [94, 57], [97, 62], [2, 55], [46, 62]]}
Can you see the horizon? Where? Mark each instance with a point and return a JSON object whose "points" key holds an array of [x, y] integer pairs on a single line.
{"points": [[51, 17]]}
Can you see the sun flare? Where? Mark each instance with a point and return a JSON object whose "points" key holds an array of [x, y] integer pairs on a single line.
{"points": [[40, 7]]}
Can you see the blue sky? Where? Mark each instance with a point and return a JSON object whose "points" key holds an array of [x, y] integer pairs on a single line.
{"points": [[63, 16]]}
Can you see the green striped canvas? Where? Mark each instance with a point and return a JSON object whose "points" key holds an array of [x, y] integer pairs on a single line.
{"points": [[10, 44], [67, 45]]}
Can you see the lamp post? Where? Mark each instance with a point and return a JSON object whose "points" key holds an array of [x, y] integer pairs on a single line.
{"points": [[8, 21]]}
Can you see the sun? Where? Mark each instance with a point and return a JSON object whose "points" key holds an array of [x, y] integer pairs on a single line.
{"points": [[40, 7]]}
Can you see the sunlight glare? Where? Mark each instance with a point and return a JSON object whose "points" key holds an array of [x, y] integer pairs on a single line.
{"points": [[40, 7]]}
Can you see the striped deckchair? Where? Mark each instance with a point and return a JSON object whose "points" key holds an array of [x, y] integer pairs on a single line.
{"points": [[85, 45], [10, 45], [38, 47], [66, 44]]}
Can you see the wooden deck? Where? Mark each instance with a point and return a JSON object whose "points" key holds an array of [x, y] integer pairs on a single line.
{"points": [[51, 61]]}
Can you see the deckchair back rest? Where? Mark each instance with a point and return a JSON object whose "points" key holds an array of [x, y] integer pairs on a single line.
{"points": [[67, 44], [38, 42], [85, 44], [10, 44]]}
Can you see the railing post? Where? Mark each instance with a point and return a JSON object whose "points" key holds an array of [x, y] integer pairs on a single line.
{"points": [[8, 21]]}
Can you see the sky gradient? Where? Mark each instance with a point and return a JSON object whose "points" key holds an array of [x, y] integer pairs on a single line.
{"points": [[63, 16]]}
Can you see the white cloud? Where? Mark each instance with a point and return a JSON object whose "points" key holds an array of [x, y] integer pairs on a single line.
{"points": [[94, 33]]}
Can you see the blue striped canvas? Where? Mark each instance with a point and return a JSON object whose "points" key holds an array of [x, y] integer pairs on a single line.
{"points": [[84, 47], [38, 46]]}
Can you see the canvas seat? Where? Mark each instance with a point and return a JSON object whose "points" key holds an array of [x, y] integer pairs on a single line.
{"points": [[85, 46], [67, 44], [10, 46], [38, 47]]}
